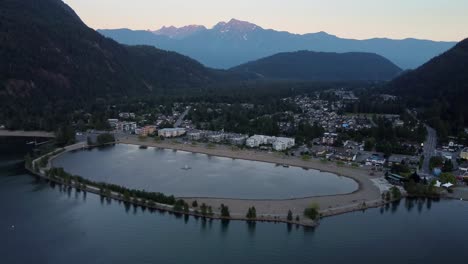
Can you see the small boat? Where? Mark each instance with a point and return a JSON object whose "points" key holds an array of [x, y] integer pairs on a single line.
{"points": [[285, 166], [186, 167], [143, 147]]}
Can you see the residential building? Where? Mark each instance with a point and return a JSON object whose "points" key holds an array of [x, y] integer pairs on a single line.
{"points": [[329, 138], [239, 140], [148, 130], [171, 132], [464, 154], [278, 143], [282, 143], [113, 122], [256, 140], [128, 127], [126, 115], [216, 138]]}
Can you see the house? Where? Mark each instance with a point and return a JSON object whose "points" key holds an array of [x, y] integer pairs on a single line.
{"points": [[329, 138], [464, 154], [399, 159], [171, 132], [126, 115], [375, 160], [345, 156], [113, 122], [463, 167]]}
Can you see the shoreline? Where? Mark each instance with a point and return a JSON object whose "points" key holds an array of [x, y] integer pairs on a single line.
{"points": [[145, 203], [269, 210], [254, 155]]}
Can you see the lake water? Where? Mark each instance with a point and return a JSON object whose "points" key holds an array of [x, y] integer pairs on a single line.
{"points": [[165, 171], [44, 224]]}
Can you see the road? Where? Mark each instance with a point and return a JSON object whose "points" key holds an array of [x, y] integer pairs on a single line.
{"points": [[21, 133], [429, 149], [182, 116]]}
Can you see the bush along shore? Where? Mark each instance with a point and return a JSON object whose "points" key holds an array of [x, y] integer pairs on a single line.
{"points": [[41, 167]]}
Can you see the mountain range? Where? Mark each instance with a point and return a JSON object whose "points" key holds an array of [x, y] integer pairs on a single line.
{"points": [[52, 64], [229, 44], [322, 66]]}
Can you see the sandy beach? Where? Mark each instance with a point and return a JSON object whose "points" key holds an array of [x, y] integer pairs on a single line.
{"points": [[368, 194]]}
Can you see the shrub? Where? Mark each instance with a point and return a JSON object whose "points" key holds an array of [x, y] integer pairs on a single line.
{"points": [[312, 212], [105, 139]]}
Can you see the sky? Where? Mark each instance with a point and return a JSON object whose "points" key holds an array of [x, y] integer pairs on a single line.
{"points": [[359, 19]]}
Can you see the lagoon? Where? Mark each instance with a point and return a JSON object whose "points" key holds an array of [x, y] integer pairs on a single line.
{"points": [[186, 174]]}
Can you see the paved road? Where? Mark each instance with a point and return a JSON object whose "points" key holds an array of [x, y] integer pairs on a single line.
{"points": [[182, 116], [21, 133], [429, 149]]}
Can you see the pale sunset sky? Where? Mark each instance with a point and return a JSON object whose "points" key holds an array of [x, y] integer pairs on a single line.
{"points": [[359, 19]]}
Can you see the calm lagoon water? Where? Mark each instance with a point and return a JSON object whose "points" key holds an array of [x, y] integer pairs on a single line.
{"points": [[166, 171]]}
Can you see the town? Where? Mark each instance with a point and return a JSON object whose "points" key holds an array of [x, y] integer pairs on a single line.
{"points": [[318, 126]]}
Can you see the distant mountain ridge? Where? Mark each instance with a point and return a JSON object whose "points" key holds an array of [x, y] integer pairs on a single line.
{"points": [[323, 66], [179, 33], [235, 42]]}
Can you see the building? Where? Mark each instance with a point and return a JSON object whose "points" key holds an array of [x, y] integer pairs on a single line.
{"points": [[375, 160], [329, 138], [148, 130], [126, 115], [256, 140], [195, 135], [399, 123], [282, 143], [239, 140], [278, 143], [128, 127], [171, 132], [216, 138], [463, 167], [464, 154], [113, 122], [395, 179]]}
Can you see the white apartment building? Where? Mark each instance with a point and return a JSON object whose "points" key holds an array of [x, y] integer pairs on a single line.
{"points": [[282, 143], [171, 132], [278, 143]]}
